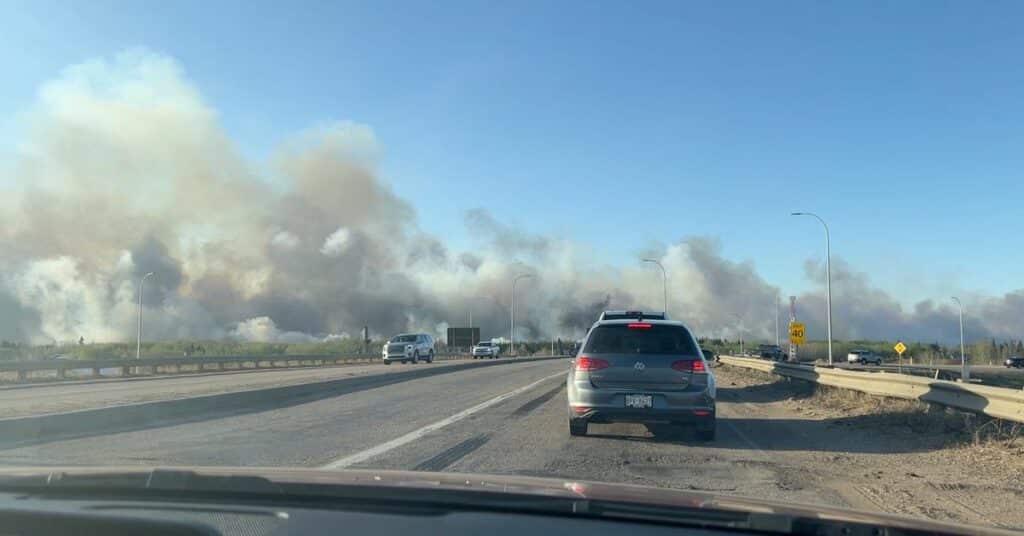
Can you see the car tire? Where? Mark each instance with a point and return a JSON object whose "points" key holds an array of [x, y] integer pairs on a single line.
{"points": [[387, 362], [415, 358], [577, 427], [430, 358], [707, 434]]}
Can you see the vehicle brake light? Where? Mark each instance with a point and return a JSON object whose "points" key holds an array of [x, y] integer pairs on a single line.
{"points": [[590, 363], [701, 412], [695, 366], [638, 325]]}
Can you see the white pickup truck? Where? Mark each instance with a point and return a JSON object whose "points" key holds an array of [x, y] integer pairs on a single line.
{"points": [[486, 350], [863, 357]]}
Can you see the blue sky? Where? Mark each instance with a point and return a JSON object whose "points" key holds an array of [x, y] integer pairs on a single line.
{"points": [[624, 125]]}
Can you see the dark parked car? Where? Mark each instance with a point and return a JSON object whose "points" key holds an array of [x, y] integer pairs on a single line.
{"points": [[771, 351], [1014, 362]]}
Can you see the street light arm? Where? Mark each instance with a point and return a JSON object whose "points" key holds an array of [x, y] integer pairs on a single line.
{"points": [[664, 283]]}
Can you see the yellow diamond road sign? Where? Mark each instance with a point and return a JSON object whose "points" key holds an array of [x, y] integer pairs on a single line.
{"points": [[900, 347], [796, 333]]}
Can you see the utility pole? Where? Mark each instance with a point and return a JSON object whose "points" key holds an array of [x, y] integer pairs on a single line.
{"points": [[512, 332], [138, 340], [965, 373]]}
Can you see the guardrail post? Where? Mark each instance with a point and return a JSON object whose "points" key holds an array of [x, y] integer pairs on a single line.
{"points": [[61, 372], [22, 375], [125, 370], [96, 372]]}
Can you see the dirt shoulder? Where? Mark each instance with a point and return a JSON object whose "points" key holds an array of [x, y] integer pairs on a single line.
{"points": [[877, 453]]}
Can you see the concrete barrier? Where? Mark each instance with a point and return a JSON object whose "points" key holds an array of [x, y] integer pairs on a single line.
{"points": [[996, 402], [57, 369]]}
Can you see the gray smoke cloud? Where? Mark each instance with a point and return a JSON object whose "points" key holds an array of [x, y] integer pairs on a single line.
{"points": [[125, 169]]}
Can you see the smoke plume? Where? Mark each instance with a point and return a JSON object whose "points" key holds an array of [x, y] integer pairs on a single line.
{"points": [[124, 169]]}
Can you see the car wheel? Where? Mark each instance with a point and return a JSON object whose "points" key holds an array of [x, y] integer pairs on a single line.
{"points": [[577, 427], [430, 357], [415, 358], [387, 362]]}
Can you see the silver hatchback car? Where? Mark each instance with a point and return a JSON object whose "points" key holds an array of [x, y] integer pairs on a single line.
{"points": [[643, 371]]}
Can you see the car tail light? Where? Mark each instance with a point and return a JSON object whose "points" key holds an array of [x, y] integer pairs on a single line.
{"points": [[638, 325], [590, 363], [696, 366], [580, 410], [701, 412]]}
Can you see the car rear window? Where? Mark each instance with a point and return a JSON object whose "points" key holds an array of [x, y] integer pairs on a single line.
{"points": [[657, 339]]}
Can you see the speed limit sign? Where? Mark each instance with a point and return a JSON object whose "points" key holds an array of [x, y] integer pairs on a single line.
{"points": [[796, 333]]}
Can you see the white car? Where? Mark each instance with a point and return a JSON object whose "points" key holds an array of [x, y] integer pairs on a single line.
{"points": [[409, 348], [486, 349]]}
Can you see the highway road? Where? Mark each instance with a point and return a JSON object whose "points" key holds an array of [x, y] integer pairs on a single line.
{"points": [[45, 398], [511, 419]]}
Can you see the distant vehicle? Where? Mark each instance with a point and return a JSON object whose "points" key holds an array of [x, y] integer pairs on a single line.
{"points": [[770, 351], [647, 372], [632, 315], [409, 348], [709, 354], [863, 357], [486, 349], [1014, 362]]}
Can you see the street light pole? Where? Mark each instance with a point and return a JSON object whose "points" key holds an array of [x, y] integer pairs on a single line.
{"points": [[138, 340], [828, 278], [512, 332], [965, 374], [664, 282], [777, 319], [740, 318]]}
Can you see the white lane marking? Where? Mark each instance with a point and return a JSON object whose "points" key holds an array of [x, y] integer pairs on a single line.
{"points": [[416, 434]]}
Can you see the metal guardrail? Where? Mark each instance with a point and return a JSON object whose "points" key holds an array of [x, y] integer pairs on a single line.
{"points": [[996, 402], [177, 365]]}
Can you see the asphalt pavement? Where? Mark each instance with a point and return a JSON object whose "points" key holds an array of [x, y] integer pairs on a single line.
{"points": [[46, 398], [512, 419]]}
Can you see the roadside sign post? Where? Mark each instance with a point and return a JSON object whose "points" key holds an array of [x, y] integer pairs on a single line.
{"points": [[792, 319], [900, 348], [796, 335]]}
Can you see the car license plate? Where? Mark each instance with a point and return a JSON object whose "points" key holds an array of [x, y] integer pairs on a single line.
{"points": [[639, 401]]}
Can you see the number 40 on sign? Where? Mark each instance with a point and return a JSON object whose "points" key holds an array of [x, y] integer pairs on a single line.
{"points": [[796, 333]]}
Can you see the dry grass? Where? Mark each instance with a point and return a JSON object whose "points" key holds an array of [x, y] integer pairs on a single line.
{"points": [[956, 427]]}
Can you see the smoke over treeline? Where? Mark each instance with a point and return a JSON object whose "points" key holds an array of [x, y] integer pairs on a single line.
{"points": [[124, 170]]}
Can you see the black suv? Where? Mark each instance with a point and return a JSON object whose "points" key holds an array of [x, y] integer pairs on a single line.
{"points": [[1014, 362], [772, 352]]}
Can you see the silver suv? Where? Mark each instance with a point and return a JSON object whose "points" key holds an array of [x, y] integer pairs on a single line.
{"points": [[486, 349], [642, 371], [409, 348]]}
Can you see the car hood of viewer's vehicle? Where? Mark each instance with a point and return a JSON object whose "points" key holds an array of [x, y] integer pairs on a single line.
{"points": [[515, 485]]}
